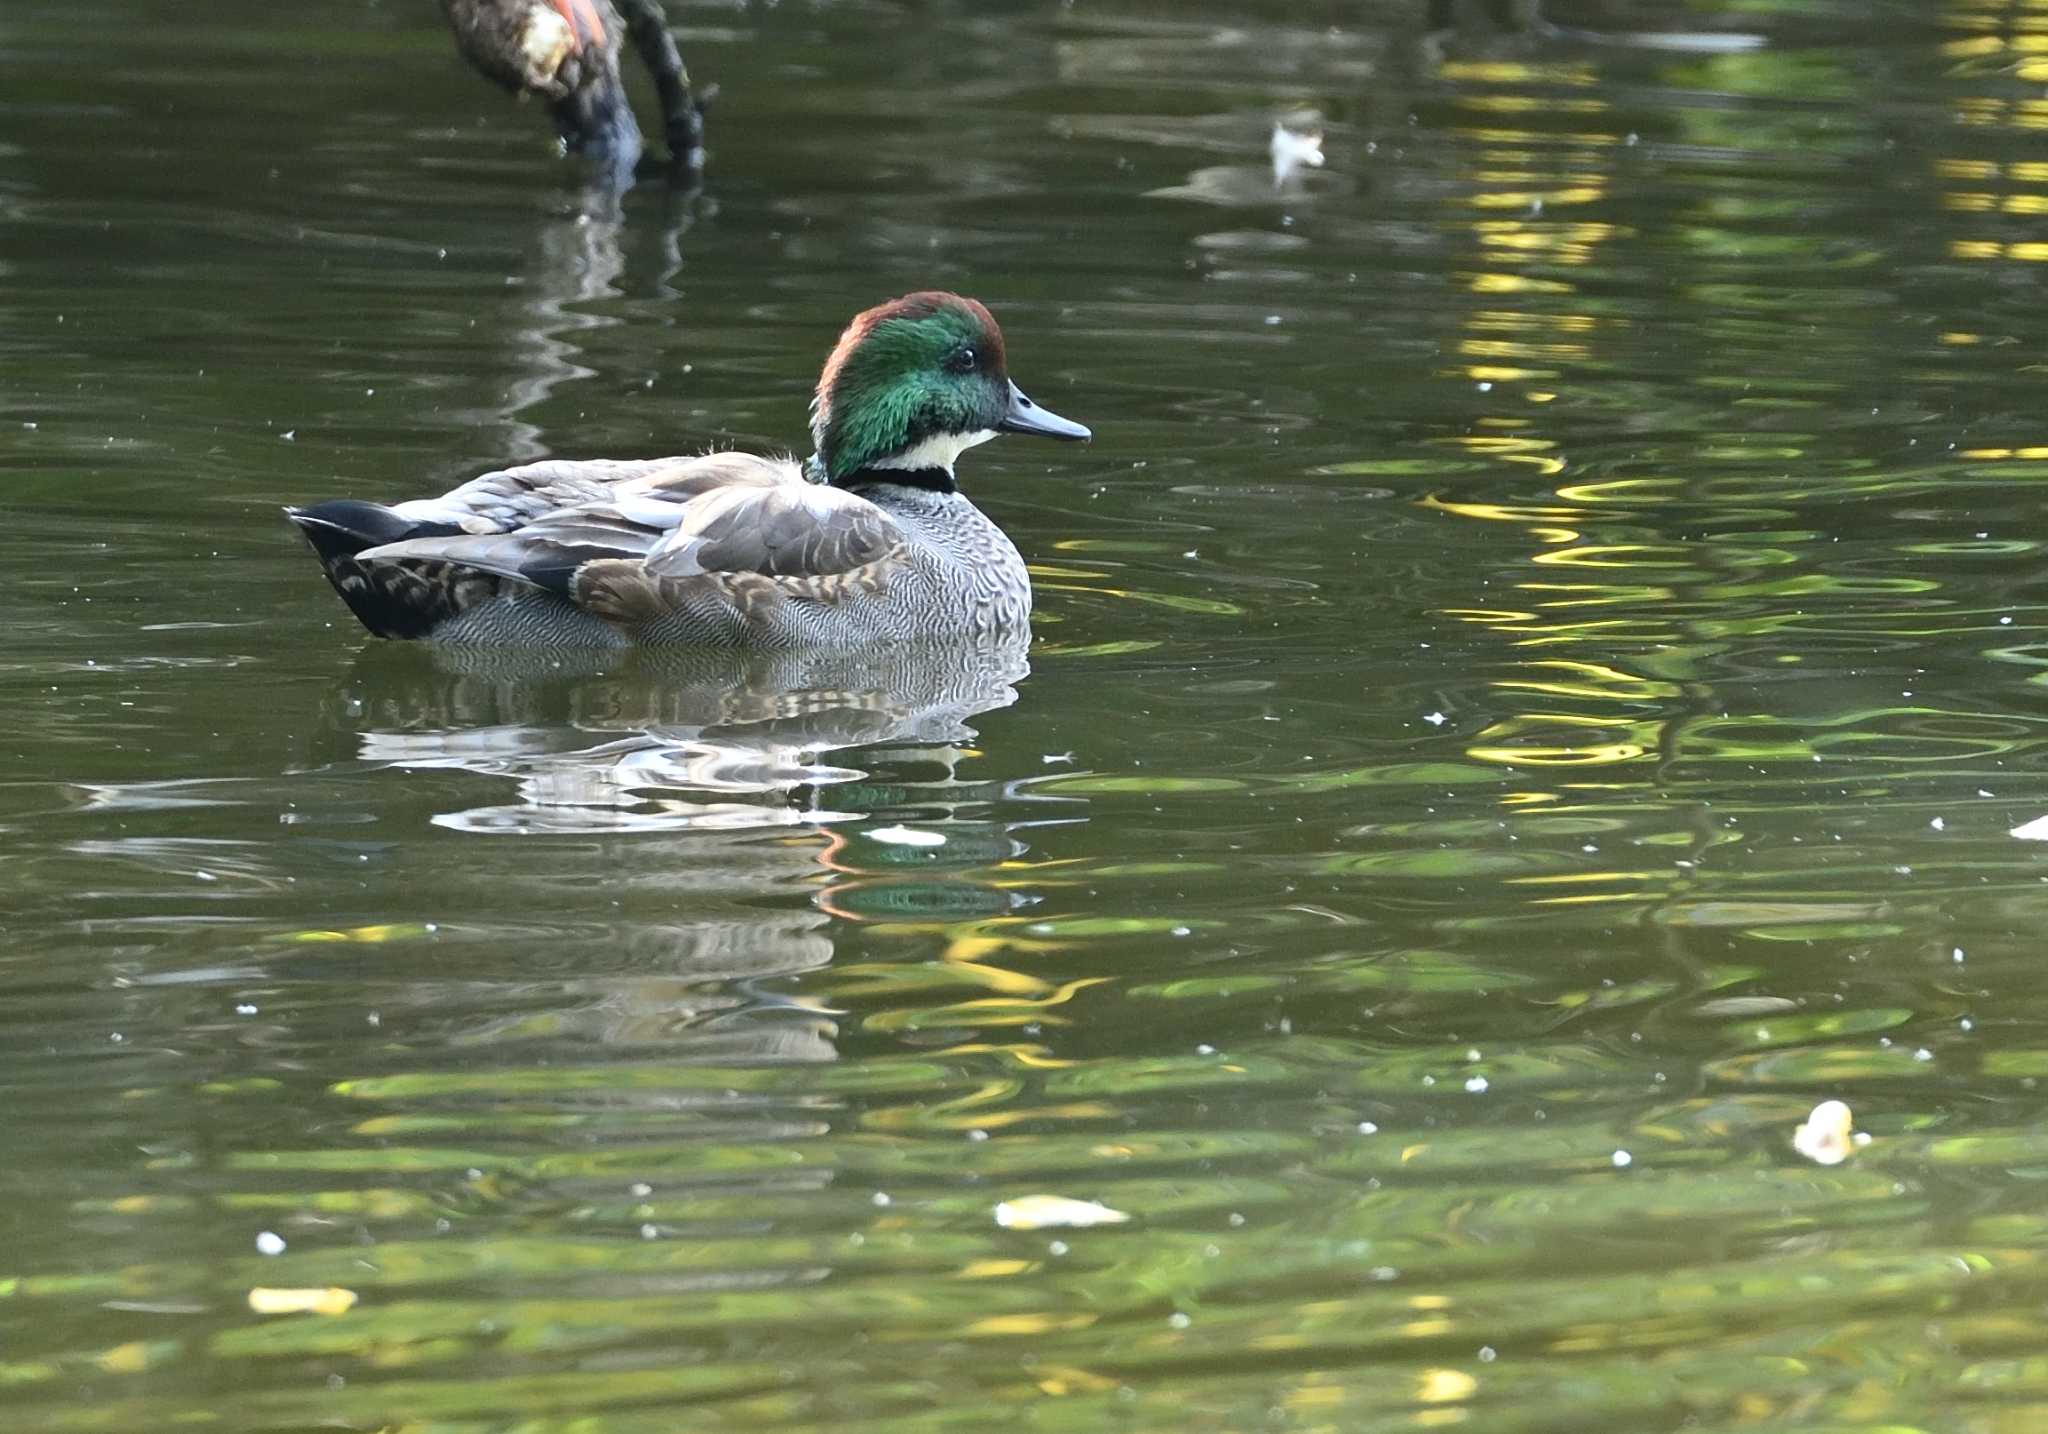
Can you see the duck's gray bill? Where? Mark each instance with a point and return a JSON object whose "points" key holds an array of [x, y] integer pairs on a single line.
{"points": [[1027, 417]]}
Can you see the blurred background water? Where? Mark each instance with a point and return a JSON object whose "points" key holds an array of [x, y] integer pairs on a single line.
{"points": [[1533, 686]]}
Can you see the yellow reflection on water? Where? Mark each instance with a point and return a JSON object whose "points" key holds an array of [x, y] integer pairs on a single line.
{"points": [[1595, 594], [1533, 104], [2019, 114], [1485, 283], [1518, 72], [2030, 252], [1442, 1386], [1060, 1379], [1558, 243], [1598, 680], [1493, 746], [1524, 198], [1037, 1323], [1508, 512], [1614, 555], [994, 1269], [1488, 135]]}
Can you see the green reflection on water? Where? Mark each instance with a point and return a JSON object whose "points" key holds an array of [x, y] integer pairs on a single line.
{"points": [[1535, 679]]}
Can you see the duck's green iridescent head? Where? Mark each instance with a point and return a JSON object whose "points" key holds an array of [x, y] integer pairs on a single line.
{"points": [[915, 382]]}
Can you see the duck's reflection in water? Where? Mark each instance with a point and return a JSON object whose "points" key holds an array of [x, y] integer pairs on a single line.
{"points": [[731, 762], [672, 740]]}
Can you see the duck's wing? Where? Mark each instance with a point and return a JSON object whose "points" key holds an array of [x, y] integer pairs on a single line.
{"points": [[730, 529], [789, 530], [547, 551], [510, 498], [746, 564], [540, 518]]}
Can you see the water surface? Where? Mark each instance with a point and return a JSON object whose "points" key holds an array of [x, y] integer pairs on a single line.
{"points": [[1532, 688]]}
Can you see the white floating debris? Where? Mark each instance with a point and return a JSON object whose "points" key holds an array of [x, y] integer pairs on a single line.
{"points": [[1045, 1212], [269, 1243], [1622, 1159], [1826, 1138], [907, 836], [2035, 830], [1435, 719], [1297, 142]]}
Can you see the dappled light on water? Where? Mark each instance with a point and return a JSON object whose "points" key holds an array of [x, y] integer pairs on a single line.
{"points": [[1502, 893]]}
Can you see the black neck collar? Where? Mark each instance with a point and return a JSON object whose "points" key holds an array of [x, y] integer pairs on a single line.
{"points": [[932, 480]]}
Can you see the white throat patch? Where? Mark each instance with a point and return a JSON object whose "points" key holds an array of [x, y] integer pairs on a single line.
{"points": [[941, 450]]}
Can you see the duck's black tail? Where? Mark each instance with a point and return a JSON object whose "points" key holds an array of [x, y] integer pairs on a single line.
{"points": [[401, 600]]}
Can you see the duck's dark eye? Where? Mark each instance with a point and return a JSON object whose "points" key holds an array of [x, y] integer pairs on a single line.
{"points": [[963, 360]]}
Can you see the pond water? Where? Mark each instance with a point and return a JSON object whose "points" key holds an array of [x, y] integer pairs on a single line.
{"points": [[1533, 688]]}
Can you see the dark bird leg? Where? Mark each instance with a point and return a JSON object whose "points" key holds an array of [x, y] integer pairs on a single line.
{"points": [[682, 112], [597, 119]]}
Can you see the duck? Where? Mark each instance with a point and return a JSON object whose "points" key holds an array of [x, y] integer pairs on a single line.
{"points": [[869, 540], [566, 53]]}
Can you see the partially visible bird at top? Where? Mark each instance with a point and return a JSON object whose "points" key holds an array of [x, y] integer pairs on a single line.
{"points": [[1297, 141], [566, 52]]}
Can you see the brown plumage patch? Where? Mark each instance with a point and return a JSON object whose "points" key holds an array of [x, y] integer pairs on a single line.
{"points": [[755, 596], [619, 591]]}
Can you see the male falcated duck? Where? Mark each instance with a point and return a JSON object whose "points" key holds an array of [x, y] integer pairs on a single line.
{"points": [[868, 540]]}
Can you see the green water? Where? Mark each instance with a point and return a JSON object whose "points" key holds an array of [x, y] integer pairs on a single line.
{"points": [[1533, 686]]}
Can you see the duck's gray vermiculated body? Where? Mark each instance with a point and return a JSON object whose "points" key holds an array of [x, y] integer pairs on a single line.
{"points": [[939, 566]]}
